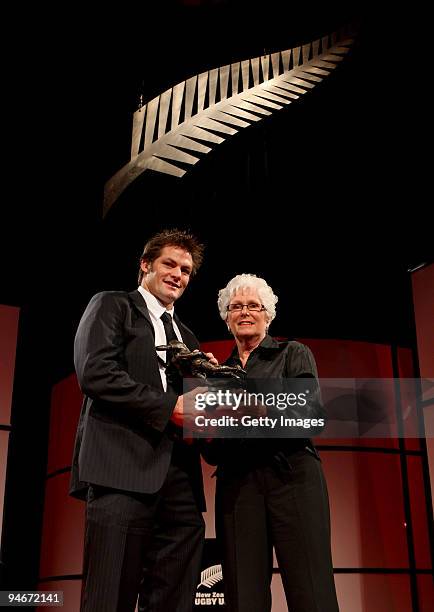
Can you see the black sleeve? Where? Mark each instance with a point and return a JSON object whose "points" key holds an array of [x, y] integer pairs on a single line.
{"points": [[99, 363], [302, 376], [300, 362]]}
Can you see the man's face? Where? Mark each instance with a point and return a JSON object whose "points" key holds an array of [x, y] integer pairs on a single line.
{"points": [[168, 275]]}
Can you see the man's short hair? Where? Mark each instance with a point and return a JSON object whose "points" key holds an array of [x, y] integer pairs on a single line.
{"points": [[176, 238]]}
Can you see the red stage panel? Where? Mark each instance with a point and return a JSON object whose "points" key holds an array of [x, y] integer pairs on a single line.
{"points": [[367, 510], [408, 399], [220, 348], [423, 298], [8, 334], [350, 359], [4, 441], [373, 592], [66, 401], [63, 528], [428, 417], [361, 399], [419, 513], [71, 594], [405, 363], [425, 588]]}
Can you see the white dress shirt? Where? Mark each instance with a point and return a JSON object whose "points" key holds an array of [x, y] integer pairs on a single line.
{"points": [[156, 309]]}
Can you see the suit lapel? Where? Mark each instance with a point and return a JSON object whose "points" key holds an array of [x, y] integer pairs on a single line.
{"points": [[140, 305], [187, 335]]}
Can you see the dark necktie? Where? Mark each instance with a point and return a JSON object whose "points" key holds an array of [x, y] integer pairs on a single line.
{"points": [[170, 335], [174, 381], [168, 327]]}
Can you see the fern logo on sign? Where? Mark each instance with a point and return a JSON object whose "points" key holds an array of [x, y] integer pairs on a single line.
{"points": [[208, 596]]}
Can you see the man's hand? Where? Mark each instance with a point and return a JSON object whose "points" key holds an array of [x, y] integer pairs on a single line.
{"points": [[184, 410], [178, 412]]}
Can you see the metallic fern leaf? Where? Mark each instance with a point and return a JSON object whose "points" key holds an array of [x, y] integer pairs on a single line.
{"points": [[204, 110], [211, 576]]}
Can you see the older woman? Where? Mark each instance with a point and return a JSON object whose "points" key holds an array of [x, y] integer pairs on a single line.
{"points": [[271, 492]]}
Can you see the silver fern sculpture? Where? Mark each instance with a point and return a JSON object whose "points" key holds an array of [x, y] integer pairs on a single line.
{"points": [[204, 110]]}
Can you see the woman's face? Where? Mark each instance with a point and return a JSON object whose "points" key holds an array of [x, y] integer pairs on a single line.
{"points": [[245, 323]]}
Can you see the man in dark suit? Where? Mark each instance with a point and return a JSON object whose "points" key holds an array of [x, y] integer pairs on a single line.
{"points": [[142, 483]]}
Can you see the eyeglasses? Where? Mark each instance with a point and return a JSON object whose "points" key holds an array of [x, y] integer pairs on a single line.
{"points": [[251, 307]]}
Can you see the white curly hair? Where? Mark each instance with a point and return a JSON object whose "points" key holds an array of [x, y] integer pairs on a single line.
{"points": [[248, 281]]}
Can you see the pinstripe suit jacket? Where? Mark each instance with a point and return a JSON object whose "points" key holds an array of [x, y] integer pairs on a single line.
{"points": [[123, 440]]}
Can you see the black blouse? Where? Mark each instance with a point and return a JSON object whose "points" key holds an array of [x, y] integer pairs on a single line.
{"points": [[273, 359], [270, 360]]}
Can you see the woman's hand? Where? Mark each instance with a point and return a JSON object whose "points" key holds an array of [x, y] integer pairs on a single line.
{"points": [[211, 358]]}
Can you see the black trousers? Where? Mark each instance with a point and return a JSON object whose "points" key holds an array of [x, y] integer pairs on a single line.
{"points": [[146, 545], [283, 505]]}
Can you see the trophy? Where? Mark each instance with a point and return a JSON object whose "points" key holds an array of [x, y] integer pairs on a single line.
{"points": [[183, 363], [187, 370]]}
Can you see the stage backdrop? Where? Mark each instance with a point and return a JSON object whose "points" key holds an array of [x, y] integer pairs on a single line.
{"points": [[423, 300], [380, 534], [8, 333]]}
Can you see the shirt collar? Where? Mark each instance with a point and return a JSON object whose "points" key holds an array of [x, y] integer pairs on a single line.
{"points": [[154, 305], [267, 343]]}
